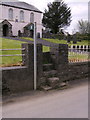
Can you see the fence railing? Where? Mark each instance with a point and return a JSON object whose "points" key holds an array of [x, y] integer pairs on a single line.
{"points": [[11, 55], [78, 53], [83, 47]]}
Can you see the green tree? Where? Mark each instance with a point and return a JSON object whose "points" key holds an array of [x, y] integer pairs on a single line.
{"points": [[84, 26], [57, 16]]}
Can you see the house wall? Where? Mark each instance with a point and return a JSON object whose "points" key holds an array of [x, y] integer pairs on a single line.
{"points": [[89, 11], [0, 12], [16, 26]]}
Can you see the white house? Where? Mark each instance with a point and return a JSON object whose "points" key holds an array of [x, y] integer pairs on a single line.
{"points": [[89, 11], [17, 18]]}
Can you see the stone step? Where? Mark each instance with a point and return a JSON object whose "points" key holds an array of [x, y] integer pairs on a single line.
{"points": [[53, 82], [46, 88], [63, 84], [51, 73], [47, 67]]}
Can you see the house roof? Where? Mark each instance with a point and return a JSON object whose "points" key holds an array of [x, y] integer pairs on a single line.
{"points": [[5, 21], [21, 5]]}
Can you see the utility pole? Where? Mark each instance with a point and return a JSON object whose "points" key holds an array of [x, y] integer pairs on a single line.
{"points": [[35, 57]]}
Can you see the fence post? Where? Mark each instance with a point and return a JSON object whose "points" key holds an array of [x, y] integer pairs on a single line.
{"points": [[60, 53], [1, 29], [39, 63], [29, 54], [28, 59]]}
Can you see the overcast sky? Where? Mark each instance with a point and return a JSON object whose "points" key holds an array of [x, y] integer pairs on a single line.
{"points": [[79, 9]]}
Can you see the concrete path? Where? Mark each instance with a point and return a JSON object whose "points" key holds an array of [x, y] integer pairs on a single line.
{"points": [[43, 42], [69, 103]]}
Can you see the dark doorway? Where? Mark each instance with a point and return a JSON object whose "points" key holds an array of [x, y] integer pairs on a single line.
{"points": [[5, 30], [31, 33]]}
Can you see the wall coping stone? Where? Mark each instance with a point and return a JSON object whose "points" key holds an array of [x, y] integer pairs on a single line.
{"points": [[13, 68], [79, 63]]}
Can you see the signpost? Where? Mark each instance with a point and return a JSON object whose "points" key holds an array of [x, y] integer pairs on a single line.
{"points": [[31, 27], [35, 58]]}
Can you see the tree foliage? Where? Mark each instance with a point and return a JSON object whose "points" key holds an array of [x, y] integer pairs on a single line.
{"points": [[84, 26], [56, 16]]}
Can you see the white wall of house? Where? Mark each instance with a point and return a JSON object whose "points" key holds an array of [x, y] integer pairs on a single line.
{"points": [[89, 11], [0, 12], [16, 26]]}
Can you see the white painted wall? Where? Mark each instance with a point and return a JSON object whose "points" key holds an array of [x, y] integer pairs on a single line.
{"points": [[0, 12], [89, 11], [19, 25]]}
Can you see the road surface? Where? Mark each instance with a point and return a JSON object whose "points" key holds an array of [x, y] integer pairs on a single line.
{"points": [[68, 103]]}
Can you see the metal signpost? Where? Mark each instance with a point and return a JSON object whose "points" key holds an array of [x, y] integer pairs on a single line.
{"points": [[35, 58]]}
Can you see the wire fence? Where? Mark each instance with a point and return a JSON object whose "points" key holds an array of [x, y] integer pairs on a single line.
{"points": [[11, 55]]}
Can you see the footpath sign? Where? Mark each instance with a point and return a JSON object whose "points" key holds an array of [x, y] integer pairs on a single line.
{"points": [[31, 26]]}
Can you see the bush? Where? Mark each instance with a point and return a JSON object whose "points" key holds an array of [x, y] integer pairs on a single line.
{"points": [[53, 36], [83, 36]]}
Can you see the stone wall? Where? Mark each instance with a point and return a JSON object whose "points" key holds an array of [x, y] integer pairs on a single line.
{"points": [[19, 79], [73, 71], [16, 79]]}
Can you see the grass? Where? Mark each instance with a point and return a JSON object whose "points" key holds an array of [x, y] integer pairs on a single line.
{"points": [[45, 48], [12, 44], [83, 42], [27, 38], [78, 56], [17, 60]]}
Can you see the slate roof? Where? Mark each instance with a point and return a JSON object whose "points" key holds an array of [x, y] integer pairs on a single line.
{"points": [[21, 5]]}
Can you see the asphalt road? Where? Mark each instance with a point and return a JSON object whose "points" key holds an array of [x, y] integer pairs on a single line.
{"points": [[69, 103]]}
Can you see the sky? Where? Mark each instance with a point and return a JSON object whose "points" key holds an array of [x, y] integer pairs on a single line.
{"points": [[79, 10]]}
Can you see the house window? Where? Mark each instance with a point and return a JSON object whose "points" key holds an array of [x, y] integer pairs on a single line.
{"points": [[10, 14], [21, 16], [32, 17]]}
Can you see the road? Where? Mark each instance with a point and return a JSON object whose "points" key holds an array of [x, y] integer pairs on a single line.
{"points": [[68, 103]]}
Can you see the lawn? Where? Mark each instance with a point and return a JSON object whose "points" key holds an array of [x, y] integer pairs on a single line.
{"points": [[17, 60], [83, 42], [27, 38], [77, 56], [12, 44]]}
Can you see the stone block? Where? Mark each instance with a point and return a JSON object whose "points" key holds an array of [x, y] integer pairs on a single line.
{"points": [[51, 73], [53, 82]]}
